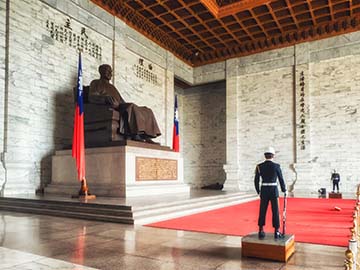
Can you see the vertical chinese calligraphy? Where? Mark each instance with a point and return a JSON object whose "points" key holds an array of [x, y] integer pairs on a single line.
{"points": [[66, 35], [302, 125], [145, 72]]}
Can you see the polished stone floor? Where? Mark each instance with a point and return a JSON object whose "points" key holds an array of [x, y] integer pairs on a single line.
{"points": [[42, 242]]}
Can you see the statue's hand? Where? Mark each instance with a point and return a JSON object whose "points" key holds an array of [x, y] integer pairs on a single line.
{"points": [[110, 100]]}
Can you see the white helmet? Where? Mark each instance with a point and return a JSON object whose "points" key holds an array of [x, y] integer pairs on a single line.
{"points": [[269, 150]]}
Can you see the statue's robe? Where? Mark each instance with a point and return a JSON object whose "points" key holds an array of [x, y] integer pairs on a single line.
{"points": [[134, 120]]}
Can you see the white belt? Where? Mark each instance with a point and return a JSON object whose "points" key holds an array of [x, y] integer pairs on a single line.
{"points": [[269, 184]]}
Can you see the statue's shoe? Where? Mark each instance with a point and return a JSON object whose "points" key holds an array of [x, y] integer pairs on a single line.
{"points": [[138, 138], [148, 140]]}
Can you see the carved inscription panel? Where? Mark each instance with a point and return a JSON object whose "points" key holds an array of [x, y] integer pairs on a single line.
{"points": [[148, 169]]}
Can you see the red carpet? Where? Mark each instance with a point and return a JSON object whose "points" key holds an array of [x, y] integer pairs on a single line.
{"points": [[310, 220]]}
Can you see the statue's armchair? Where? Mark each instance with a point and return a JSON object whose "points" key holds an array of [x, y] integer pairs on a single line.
{"points": [[101, 122]]}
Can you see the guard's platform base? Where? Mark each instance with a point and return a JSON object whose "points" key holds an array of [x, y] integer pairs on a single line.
{"points": [[268, 248], [333, 195]]}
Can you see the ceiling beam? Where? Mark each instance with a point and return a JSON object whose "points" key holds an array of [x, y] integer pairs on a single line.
{"points": [[226, 10]]}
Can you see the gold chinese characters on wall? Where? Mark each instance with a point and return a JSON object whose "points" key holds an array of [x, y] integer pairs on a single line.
{"points": [[65, 34], [155, 169], [146, 72]]}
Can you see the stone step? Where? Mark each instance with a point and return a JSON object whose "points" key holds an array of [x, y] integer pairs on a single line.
{"points": [[70, 207], [123, 213], [101, 212], [188, 208], [190, 205], [151, 189], [67, 190], [193, 201], [61, 201], [61, 213], [140, 189]]}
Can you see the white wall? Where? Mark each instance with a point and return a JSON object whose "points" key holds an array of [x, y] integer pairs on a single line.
{"points": [[264, 108], [2, 86], [266, 119], [203, 133], [335, 125], [261, 99]]}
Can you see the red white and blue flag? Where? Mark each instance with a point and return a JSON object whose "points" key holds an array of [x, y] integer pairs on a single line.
{"points": [[176, 136], [78, 149]]}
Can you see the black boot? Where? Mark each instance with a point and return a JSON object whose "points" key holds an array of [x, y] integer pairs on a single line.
{"points": [[261, 233], [278, 234]]}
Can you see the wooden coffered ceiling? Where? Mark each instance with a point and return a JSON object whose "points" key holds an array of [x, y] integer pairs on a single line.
{"points": [[207, 31]]}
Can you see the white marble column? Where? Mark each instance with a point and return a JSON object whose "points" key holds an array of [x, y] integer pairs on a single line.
{"points": [[3, 93], [232, 168], [169, 99]]}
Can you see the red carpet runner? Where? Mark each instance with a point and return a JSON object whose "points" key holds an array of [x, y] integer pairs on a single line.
{"points": [[310, 220]]}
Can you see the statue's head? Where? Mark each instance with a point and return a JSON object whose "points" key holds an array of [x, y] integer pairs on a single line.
{"points": [[105, 71]]}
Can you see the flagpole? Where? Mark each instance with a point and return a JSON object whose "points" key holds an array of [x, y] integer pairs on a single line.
{"points": [[176, 143], [78, 147]]}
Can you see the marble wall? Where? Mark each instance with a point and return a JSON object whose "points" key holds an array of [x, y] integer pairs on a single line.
{"points": [[335, 129], [303, 100], [2, 87], [42, 73], [265, 101], [259, 105], [203, 133]]}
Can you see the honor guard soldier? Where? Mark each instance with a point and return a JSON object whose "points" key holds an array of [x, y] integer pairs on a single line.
{"points": [[335, 177], [269, 172]]}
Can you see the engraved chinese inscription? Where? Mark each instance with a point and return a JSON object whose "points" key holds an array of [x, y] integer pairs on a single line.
{"points": [[65, 34], [153, 169], [302, 125]]}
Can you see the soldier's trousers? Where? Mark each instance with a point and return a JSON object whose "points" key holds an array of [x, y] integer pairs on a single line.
{"points": [[264, 202]]}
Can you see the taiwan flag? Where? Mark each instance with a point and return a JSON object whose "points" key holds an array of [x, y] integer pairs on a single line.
{"points": [[176, 136], [78, 149]]}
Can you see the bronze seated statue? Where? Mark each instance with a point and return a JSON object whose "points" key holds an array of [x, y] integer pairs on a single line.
{"points": [[108, 118]]}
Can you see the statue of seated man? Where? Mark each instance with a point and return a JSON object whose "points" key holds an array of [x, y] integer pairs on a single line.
{"points": [[136, 122]]}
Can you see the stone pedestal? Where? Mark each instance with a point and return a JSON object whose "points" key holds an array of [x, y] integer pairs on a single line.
{"points": [[134, 169], [268, 248], [333, 195]]}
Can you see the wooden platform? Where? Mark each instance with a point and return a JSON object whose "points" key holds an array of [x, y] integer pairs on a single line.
{"points": [[268, 248], [333, 195]]}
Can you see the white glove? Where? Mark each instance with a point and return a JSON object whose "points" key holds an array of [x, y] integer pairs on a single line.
{"points": [[285, 194]]}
